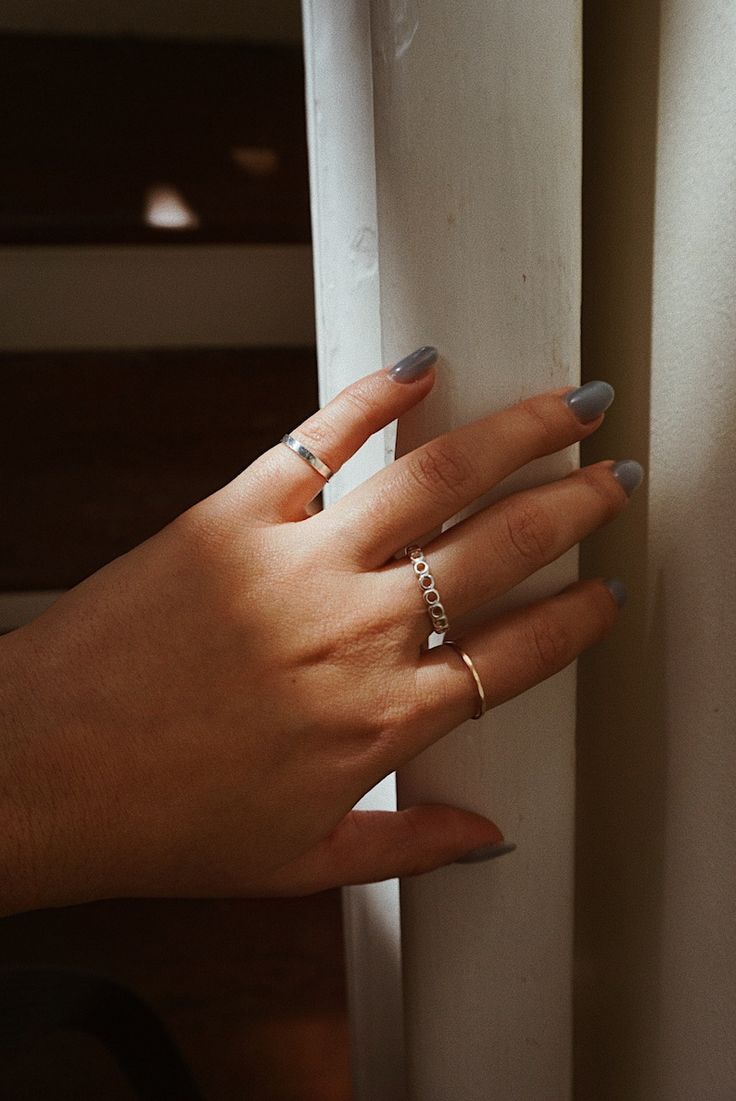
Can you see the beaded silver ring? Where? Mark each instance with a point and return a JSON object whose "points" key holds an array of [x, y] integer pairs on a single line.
{"points": [[435, 607]]}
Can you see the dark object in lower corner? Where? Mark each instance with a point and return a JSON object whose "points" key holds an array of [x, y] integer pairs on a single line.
{"points": [[37, 1001]]}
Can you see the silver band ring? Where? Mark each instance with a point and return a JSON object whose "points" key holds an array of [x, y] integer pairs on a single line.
{"points": [[308, 456], [482, 706], [435, 607]]}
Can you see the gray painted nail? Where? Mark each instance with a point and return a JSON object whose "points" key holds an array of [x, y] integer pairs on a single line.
{"points": [[488, 852], [413, 366], [590, 400], [629, 473], [618, 590]]}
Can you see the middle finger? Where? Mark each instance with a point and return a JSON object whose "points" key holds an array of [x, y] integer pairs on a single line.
{"points": [[484, 556], [420, 490]]}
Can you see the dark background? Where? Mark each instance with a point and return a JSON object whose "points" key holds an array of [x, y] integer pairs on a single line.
{"points": [[101, 448]]}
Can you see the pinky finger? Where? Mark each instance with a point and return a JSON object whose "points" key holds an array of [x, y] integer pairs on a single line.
{"points": [[369, 846], [514, 652]]}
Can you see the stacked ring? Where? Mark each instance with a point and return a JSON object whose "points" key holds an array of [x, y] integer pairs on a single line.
{"points": [[482, 705], [435, 607]]}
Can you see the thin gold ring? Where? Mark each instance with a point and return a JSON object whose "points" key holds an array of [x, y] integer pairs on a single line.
{"points": [[482, 705]]}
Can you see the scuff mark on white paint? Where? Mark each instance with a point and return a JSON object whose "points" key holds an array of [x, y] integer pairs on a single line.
{"points": [[406, 24], [398, 23], [364, 253]]}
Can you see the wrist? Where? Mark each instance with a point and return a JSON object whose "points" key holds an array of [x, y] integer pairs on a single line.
{"points": [[36, 781]]}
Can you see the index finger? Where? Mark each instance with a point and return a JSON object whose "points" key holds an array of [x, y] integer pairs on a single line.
{"points": [[421, 490], [280, 484]]}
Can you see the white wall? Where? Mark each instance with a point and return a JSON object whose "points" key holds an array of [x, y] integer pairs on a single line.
{"points": [[657, 745], [691, 592], [264, 20], [155, 296]]}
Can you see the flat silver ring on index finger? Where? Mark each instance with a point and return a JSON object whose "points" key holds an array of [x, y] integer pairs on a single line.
{"points": [[309, 456]]}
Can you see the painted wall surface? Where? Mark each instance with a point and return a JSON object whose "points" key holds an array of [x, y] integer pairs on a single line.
{"points": [[155, 296], [656, 944], [478, 148], [261, 20]]}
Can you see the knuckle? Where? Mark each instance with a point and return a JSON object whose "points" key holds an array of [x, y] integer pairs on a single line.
{"points": [[395, 713], [603, 610], [320, 434], [441, 470], [549, 643], [382, 728], [361, 409], [529, 532], [205, 528], [354, 409], [542, 426], [604, 487], [359, 649]]}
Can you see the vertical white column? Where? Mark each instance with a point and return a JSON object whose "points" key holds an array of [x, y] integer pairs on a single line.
{"points": [[478, 149], [692, 590], [692, 533], [339, 103], [658, 703]]}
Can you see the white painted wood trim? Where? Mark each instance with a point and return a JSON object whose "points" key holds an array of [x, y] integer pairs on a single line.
{"points": [[155, 296], [657, 997], [477, 118], [344, 233]]}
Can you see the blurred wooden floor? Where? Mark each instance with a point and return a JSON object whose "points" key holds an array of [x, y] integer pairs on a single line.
{"points": [[251, 990]]}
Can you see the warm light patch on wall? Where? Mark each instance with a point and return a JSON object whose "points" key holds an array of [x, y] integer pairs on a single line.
{"points": [[165, 208], [255, 160]]}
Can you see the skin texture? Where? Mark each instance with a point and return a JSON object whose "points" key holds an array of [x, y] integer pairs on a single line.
{"points": [[199, 717]]}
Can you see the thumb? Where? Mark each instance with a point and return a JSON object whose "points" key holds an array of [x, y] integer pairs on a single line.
{"points": [[368, 846]]}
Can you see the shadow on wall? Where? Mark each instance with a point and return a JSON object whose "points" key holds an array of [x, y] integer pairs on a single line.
{"points": [[621, 687]]}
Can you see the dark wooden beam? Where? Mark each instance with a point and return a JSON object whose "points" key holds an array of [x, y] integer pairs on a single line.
{"points": [[102, 449]]}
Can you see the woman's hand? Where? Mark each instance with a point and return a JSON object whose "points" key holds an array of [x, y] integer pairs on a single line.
{"points": [[199, 717]]}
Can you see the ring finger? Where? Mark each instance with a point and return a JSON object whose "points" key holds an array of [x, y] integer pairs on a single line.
{"points": [[514, 652], [498, 547]]}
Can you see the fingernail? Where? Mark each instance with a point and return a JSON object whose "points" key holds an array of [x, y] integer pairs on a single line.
{"points": [[413, 366], [618, 590], [629, 473], [488, 852], [590, 400]]}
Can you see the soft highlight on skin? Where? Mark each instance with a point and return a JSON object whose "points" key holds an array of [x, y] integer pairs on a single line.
{"points": [[200, 717]]}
